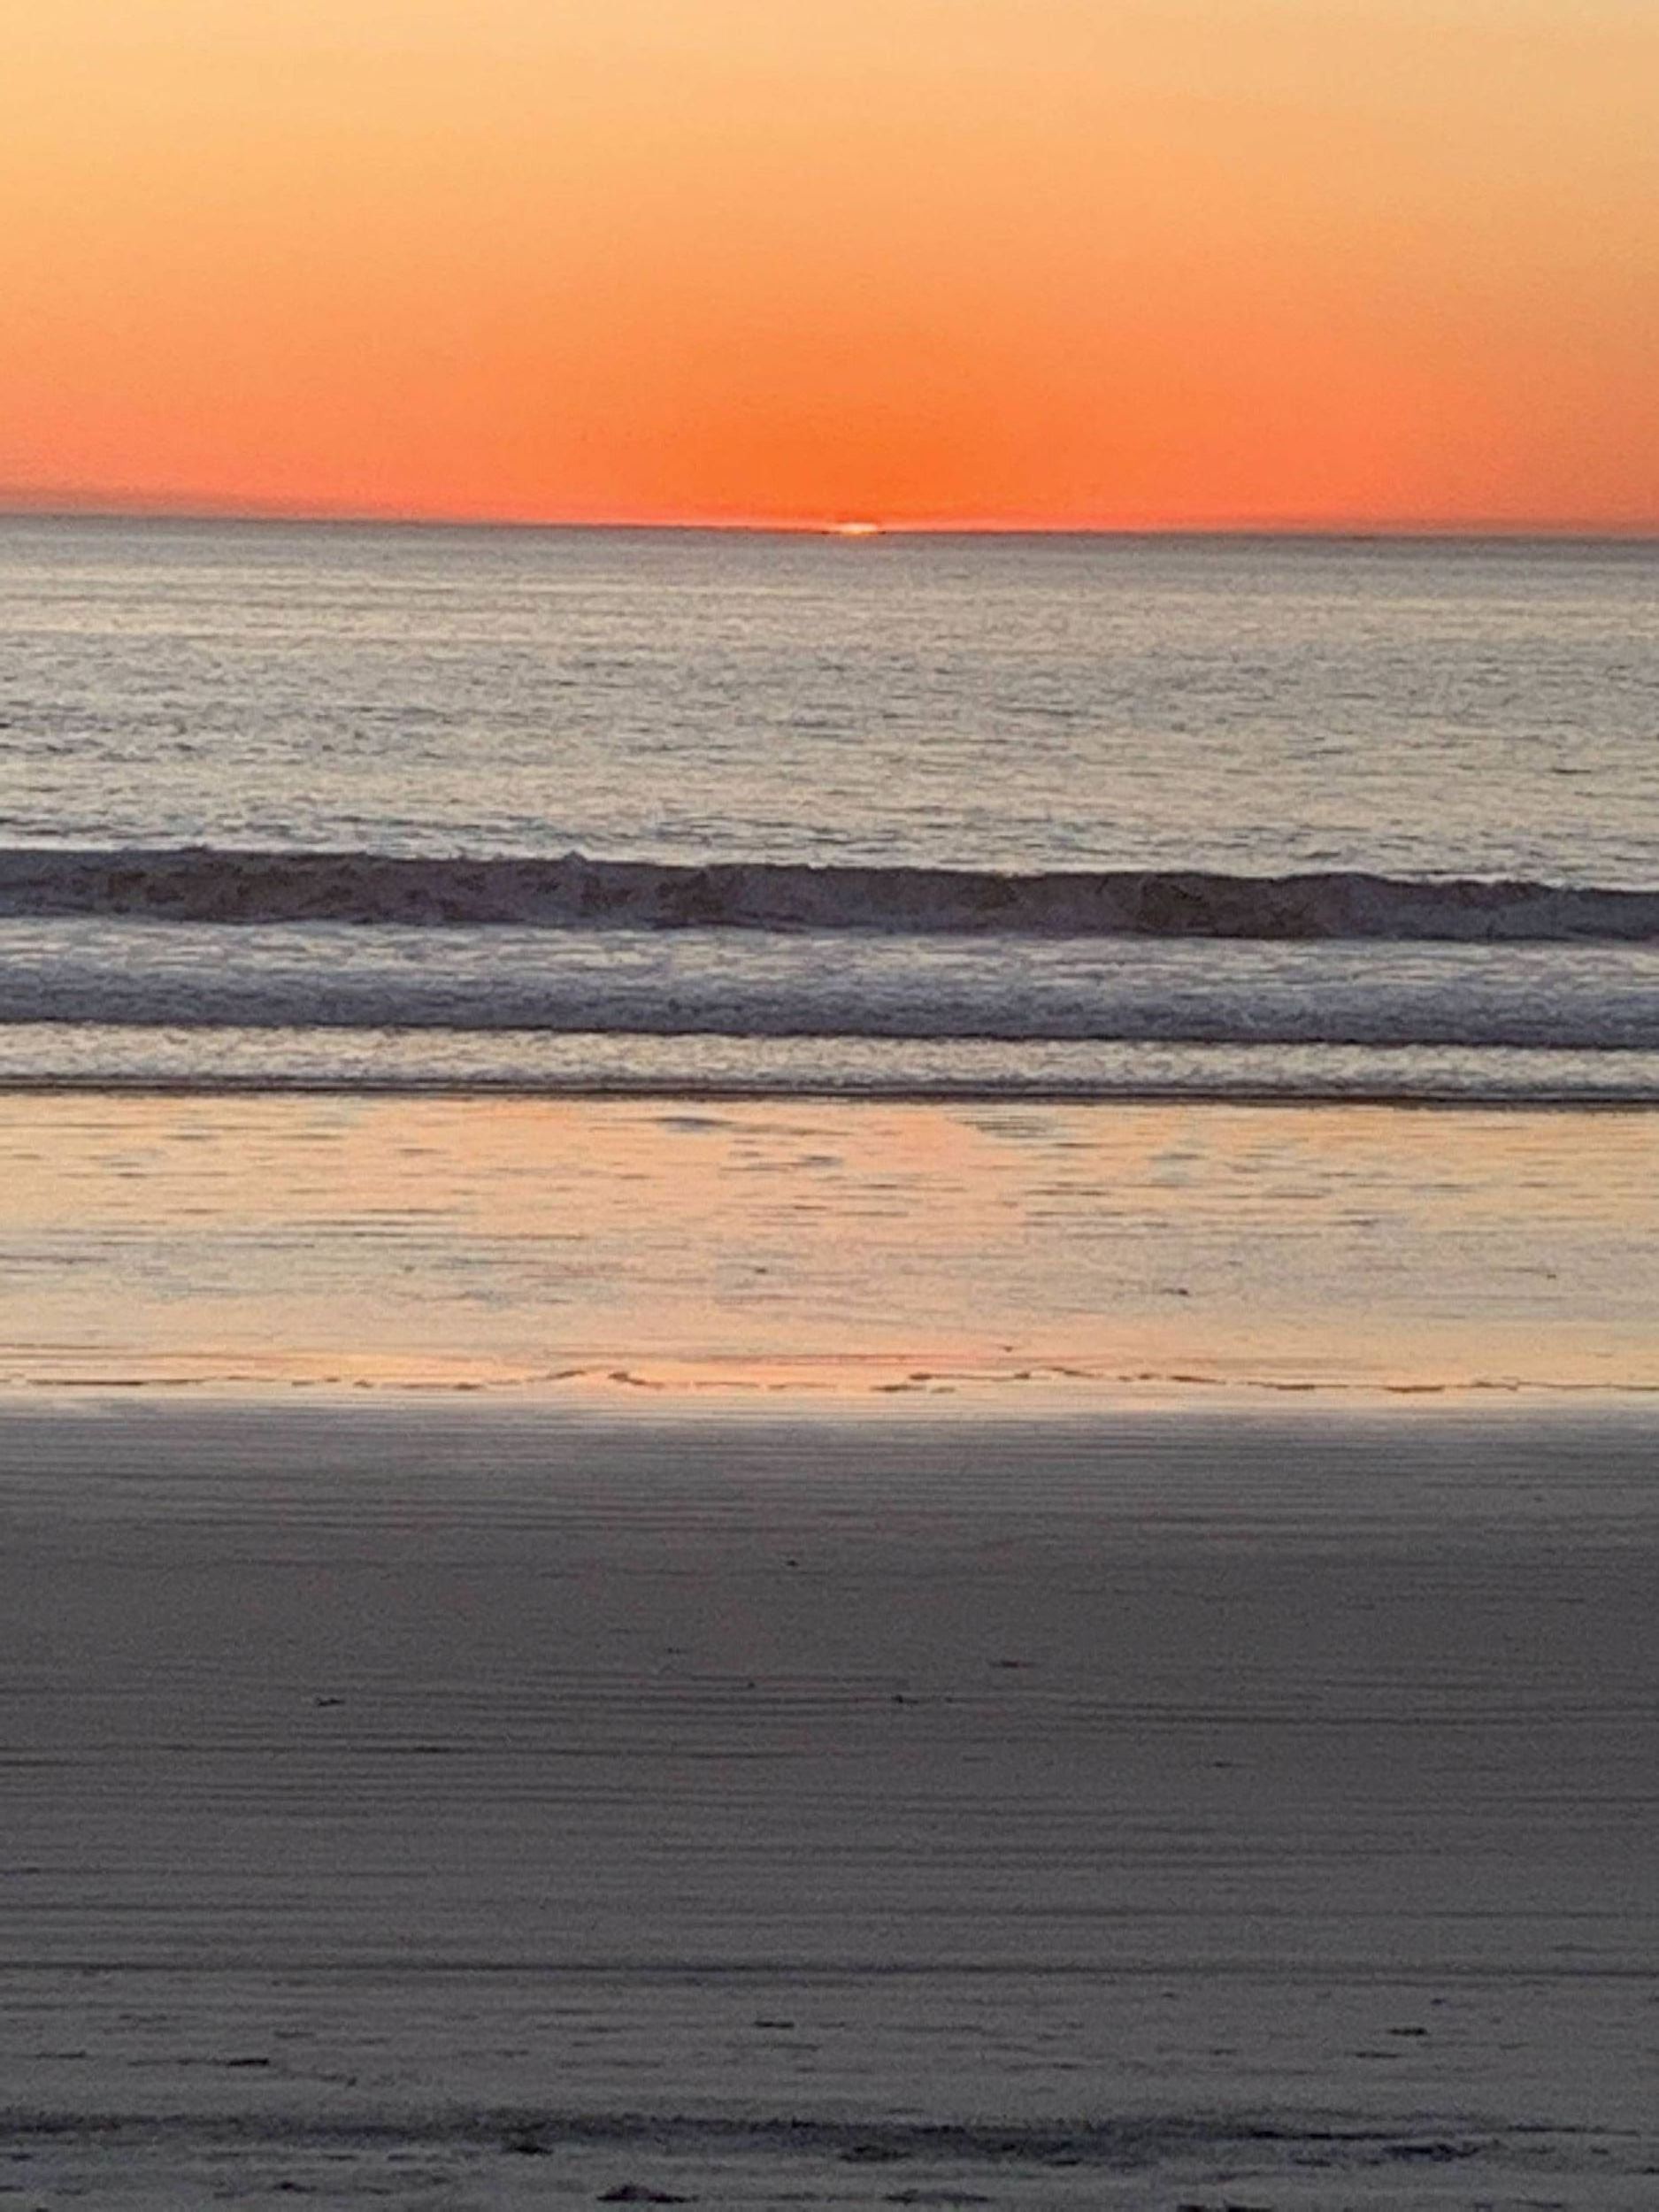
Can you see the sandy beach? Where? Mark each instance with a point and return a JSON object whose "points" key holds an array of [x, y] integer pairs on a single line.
{"points": [[809, 1652], [593, 1248], [480, 1808]]}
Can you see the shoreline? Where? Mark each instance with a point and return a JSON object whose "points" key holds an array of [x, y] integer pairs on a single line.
{"points": [[647, 1089], [842, 1390]]}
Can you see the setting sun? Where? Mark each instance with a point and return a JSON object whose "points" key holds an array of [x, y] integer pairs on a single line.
{"points": [[1031, 262]]}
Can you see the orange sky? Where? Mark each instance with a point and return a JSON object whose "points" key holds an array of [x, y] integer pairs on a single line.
{"points": [[1066, 262]]}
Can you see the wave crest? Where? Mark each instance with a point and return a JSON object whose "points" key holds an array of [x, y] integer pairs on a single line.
{"points": [[571, 891]]}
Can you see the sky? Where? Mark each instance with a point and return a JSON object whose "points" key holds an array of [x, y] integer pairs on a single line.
{"points": [[1040, 263]]}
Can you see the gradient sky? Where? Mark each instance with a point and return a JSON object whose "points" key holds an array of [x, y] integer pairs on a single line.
{"points": [[1071, 262]]}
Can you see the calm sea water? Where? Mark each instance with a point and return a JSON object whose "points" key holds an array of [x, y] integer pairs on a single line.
{"points": [[304, 803]]}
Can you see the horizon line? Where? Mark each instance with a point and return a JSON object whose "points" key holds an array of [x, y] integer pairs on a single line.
{"points": [[64, 505]]}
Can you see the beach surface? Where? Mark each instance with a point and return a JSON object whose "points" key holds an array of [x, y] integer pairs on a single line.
{"points": [[474, 1806], [804, 1653], [984, 1253]]}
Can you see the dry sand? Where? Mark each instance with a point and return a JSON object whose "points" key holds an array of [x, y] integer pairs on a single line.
{"points": [[479, 1808]]}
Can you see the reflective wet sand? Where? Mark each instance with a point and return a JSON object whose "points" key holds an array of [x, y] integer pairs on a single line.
{"points": [[853, 1247]]}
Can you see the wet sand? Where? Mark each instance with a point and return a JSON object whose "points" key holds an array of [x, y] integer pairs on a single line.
{"points": [[475, 1806], [548, 1246]]}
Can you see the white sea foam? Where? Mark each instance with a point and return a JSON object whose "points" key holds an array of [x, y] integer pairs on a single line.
{"points": [[647, 1008]]}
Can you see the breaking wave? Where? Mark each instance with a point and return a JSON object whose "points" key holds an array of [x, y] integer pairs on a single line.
{"points": [[203, 885], [1130, 2144]]}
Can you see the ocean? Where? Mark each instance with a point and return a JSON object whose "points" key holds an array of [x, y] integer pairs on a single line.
{"points": [[925, 816], [827, 1370]]}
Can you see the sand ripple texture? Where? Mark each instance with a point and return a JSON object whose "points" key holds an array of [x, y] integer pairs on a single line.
{"points": [[477, 1810]]}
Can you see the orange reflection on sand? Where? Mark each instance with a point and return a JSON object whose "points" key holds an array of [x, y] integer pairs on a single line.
{"points": [[637, 1245]]}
